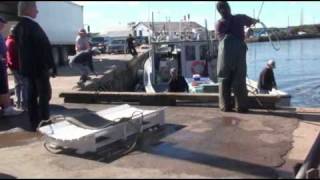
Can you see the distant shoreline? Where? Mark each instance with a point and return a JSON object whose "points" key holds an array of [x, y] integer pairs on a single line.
{"points": [[292, 37]]}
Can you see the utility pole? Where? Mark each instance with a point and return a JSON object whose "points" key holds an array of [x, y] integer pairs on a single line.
{"points": [[215, 18], [153, 24], [215, 11], [288, 29], [314, 20], [301, 17]]}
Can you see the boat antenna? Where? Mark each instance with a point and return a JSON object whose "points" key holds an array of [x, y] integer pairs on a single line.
{"points": [[260, 9]]}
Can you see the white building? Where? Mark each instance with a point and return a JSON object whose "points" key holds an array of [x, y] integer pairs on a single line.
{"points": [[144, 29]]}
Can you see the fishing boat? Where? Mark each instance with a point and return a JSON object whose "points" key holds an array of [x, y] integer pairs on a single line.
{"points": [[196, 61]]}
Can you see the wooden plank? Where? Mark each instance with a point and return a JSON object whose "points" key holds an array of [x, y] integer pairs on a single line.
{"points": [[308, 110], [255, 101]]}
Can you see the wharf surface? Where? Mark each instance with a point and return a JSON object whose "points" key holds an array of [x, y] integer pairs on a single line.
{"points": [[196, 142]]}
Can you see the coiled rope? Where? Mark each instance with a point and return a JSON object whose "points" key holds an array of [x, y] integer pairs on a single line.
{"points": [[275, 44]]}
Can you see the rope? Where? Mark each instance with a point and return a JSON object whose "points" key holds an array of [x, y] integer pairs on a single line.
{"points": [[265, 29], [53, 150], [139, 130], [255, 93]]}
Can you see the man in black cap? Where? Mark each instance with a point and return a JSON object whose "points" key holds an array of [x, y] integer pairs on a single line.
{"points": [[231, 66]]}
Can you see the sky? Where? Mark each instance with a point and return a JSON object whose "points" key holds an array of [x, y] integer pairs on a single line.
{"points": [[103, 16]]}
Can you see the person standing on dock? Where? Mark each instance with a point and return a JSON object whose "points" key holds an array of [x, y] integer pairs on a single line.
{"points": [[83, 62], [131, 47], [20, 82], [36, 62], [5, 102], [231, 66], [82, 41], [266, 78]]}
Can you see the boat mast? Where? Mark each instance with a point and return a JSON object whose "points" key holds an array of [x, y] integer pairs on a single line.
{"points": [[215, 18], [209, 48]]}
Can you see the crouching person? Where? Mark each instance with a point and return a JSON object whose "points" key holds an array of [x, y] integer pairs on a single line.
{"points": [[267, 80], [83, 62], [177, 83]]}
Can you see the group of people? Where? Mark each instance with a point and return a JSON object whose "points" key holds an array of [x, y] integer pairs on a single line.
{"points": [[28, 55], [83, 60], [231, 65]]}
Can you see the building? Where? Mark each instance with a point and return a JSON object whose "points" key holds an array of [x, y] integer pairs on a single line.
{"points": [[144, 29]]}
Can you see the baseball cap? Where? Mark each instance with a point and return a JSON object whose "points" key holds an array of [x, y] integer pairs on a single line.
{"points": [[82, 30], [271, 63]]}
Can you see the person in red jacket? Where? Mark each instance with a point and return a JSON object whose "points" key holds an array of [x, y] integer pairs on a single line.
{"points": [[5, 103], [13, 64]]}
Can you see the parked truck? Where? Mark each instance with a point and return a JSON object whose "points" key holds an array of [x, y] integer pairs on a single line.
{"points": [[61, 20]]}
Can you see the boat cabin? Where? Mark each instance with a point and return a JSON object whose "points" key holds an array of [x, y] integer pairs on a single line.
{"points": [[188, 57]]}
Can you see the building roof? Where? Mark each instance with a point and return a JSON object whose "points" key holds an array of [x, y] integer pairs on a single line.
{"points": [[173, 26]]}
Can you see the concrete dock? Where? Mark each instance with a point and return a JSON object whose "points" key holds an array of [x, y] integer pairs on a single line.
{"points": [[196, 142]]}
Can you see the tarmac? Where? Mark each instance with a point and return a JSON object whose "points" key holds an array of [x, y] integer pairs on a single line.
{"points": [[195, 142]]}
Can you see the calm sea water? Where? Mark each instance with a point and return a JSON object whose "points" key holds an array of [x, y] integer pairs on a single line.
{"points": [[297, 68]]}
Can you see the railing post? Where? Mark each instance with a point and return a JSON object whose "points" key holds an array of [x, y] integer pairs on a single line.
{"points": [[311, 163]]}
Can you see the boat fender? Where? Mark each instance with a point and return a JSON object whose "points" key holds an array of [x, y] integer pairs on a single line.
{"points": [[198, 67]]}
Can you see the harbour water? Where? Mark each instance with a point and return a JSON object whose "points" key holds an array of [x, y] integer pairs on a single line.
{"points": [[297, 68]]}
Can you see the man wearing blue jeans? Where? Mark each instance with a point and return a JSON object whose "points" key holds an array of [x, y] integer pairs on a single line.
{"points": [[5, 103], [20, 82]]}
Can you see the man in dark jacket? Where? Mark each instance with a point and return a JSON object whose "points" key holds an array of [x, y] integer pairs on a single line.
{"points": [[266, 78], [36, 61], [177, 83], [131, 47], [231, 66]]}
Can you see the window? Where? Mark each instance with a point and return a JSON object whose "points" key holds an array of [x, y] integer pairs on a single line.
{"points": [[97, 39], [135, 33], [203, 52], [140, 33], [116, 42], [190, 53]]}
